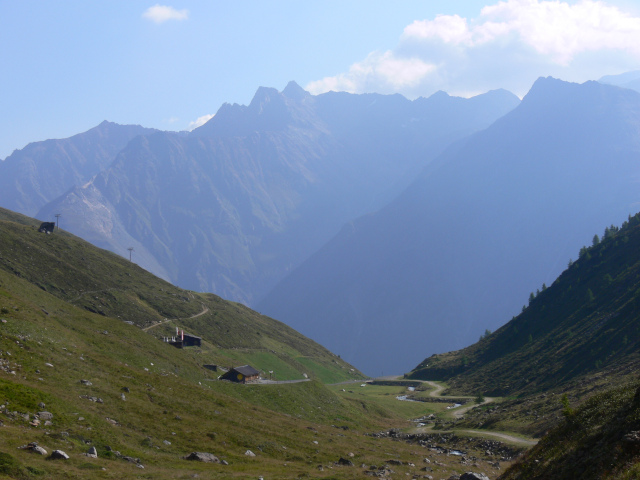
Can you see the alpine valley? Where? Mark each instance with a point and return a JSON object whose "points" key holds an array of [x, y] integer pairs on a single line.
{"points": [[376, 235]]}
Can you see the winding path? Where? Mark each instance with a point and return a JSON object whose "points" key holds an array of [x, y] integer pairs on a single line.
{"points": [[205, 309], [459, 413]]}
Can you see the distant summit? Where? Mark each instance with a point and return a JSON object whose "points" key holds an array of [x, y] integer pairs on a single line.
{"points": [[629, 80], [295, 91]]}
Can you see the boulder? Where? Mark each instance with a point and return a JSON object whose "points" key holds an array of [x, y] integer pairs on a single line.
{"points": [[344, 461], [473, 476], [39, 449], [59, 455], [93, 453], [203, 457], [45, 415], [249, 453]]}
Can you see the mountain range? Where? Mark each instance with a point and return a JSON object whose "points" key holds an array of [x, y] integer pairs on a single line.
{"points": [[236, 204], [484, 225], [370, 223], [42, 171]]}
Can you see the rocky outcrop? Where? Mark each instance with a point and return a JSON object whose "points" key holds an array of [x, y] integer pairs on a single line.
{"points": [[202, 457]]}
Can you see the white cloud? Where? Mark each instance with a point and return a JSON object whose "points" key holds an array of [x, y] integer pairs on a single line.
{"points": [[382, 69], [508, 44], [162, 13], [200, 121]]}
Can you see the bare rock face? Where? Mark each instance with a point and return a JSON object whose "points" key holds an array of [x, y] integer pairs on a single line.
{"points": [[203, 457]]}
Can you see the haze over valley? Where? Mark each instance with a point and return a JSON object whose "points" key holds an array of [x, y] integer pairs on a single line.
{"points": [[235, 245]]}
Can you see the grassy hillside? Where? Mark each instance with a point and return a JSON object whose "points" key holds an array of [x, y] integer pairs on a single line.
{"points": [[585, 322], [577, 337], [73, 344], [109, 285], [599, 440]]}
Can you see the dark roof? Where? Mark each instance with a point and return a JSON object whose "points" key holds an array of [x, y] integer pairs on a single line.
{"points": [[247, 370]]}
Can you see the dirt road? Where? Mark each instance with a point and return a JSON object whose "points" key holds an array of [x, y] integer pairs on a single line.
{"points": [[205, 309]]}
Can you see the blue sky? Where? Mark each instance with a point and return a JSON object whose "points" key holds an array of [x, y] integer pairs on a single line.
{"points": [[65, 66]]}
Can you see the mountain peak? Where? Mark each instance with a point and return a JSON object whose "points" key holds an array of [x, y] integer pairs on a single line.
{"points": [[264, 95], [295, 91]]}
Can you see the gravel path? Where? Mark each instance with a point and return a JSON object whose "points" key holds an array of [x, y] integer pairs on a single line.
{"points": [[205, 309]]}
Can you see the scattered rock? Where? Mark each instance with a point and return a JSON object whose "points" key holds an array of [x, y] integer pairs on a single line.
{"points": [[203, 457], [249, 453], [86, 382], [38, 449], [224, 462], [345, 462], [123, 397], [93, 453], [473, 476], [40, 405], [45, 415], [34, 447], [59, 455]]}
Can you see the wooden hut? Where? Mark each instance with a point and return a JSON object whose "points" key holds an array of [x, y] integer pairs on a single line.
{"points": [[243, 374]]}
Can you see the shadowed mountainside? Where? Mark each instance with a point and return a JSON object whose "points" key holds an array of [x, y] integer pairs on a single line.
{"points": [[485, 224]]}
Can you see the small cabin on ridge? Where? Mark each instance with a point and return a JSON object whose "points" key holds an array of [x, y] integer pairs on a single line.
{"points": [[243, 374]]}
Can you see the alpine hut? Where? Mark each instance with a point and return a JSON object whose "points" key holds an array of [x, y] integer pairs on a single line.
{"points": [[243, 374]]}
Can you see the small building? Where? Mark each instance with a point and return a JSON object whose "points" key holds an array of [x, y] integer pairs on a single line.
{"points": [[243, 374], [191, 341], [182, 339]]}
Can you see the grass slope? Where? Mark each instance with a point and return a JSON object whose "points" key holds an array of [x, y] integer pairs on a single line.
{"points": [[585, 322], [109, 285], [66, 348], [599, 440], [578, 337]]}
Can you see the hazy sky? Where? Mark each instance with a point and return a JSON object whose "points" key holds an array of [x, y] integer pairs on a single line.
{"points": [[67, 65]]}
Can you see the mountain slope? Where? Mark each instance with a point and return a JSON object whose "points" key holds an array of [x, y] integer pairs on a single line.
{"points": [[597, 441], [486, 223], [242, 200], [42, 171], [584, 322], [72, 379], [106, 284]]}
